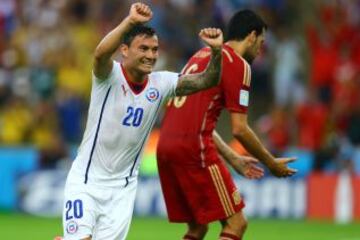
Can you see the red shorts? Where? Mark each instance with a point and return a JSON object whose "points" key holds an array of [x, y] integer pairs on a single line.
{"points": [[198, 194]]}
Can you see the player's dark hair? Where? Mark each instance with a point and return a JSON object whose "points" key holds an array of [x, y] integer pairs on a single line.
{"points": [[136, 30], [242, 23]]}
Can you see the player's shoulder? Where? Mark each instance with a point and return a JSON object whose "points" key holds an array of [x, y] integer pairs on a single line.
{"points": [[202, 53], [115, 73], [235, 65], [164, 78], [231, 57], [162, 74], [205, 52]]}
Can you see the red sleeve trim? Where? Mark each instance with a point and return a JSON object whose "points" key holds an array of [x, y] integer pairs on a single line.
{"points": [[238, 110]]}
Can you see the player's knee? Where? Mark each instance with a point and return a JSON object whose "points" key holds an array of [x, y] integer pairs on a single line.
{"points": [[236, 224], [198, 230]]}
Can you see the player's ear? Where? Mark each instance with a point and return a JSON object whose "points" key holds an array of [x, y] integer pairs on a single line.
{"points": [[124, 50], [252, 37]]}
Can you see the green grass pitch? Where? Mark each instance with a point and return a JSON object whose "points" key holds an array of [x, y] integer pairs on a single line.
{"points": [[19, 226]]}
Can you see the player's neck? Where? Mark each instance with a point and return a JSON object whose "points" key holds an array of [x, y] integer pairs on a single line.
{"points": [[134, 76], [237, 46]]}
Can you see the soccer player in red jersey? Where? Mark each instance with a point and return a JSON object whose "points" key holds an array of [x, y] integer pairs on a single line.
{"points": [[197, 186]]}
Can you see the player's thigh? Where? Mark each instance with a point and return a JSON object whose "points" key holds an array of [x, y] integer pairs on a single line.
{"points": [[116, 214], [79, 212], [211, 192], [175, 201], [224, 189]]}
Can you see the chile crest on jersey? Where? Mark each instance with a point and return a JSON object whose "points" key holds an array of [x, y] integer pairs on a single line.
{"points": [[152, 94]]}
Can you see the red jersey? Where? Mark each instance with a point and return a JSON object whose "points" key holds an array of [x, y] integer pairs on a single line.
{"points": [[186, 133]]}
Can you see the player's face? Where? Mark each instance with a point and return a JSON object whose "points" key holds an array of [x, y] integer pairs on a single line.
{"points": [[255, 47], [142, 53]]}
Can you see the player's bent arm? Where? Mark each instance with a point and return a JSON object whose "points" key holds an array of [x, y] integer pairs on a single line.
{"points": [[225, 150], [210, 77], [107, 47], [139, 13], [243, 165], [243, 133]]}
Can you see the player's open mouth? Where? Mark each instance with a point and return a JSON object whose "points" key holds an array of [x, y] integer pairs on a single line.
{"points": [[149, 65]]}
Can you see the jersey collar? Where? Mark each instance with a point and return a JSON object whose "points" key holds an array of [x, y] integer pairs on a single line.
{"points": [[136, 88], [230, 49]]}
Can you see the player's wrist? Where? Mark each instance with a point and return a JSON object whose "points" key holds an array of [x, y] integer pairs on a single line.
{"points": [[271, 165], [130, 21]]}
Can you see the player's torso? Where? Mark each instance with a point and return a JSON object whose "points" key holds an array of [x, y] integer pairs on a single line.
{"points": [[119, 122], [194, 106], [186, 131], [128, 118], [190, 120]]}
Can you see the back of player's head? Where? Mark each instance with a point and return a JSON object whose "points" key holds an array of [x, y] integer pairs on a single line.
{"points": [[243, 23], [137, 30]]}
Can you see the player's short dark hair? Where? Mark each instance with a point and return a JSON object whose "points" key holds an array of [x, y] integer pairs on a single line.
{"points": [[137, 30], [242, 23]]}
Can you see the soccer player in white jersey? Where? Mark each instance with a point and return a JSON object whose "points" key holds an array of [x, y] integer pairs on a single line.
{"points": [[125, 100]]}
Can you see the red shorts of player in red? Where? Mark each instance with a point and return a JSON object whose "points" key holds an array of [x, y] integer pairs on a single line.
{"points": [[198, 194]]}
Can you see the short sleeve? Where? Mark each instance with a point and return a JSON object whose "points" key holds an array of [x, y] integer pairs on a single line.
{"points": [[235, 83], [169, 81], [110, 78]]}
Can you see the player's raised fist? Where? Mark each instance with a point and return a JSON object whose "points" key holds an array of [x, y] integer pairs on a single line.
{"points": [[140, 13], [212, 37]]}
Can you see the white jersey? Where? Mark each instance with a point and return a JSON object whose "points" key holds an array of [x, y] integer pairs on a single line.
{"points": [[118, 125]]}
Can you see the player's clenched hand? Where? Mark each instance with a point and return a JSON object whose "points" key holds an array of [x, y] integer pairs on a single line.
{"points": [[212, 37], [247, 167], [140, 13], [280, 168]]}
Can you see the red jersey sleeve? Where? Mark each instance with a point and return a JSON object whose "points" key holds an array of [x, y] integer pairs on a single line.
{"points": [[235, 82]]}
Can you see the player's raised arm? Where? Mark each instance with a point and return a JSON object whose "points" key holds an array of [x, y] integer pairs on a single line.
{"points": [[210, 77], [139, 14], [250, 141]]}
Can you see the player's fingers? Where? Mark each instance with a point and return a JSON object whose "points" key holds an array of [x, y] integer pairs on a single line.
{"points": [[289, 172], [209, 32], [214, 32], [147, 10], [140, 7], [143, 9], [254, 175], [258, 169], [201, 33], [287, 160], [137, 6], [291, 159], [257, 173], [252, 160]]}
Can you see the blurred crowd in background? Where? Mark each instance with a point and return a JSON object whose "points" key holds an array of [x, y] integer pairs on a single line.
{"points": [[305, 86]]}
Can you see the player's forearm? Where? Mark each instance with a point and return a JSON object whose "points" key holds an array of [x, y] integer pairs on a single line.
{"points": [[225, 150], [111, 42], [210, 77], [253, 145]]}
